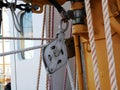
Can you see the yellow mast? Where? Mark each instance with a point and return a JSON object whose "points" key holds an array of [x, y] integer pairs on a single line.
{"points": [[80, 30], [76, 31]]}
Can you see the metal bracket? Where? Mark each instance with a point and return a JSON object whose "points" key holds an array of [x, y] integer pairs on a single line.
{"points": [[25, 7], [79, 16]]}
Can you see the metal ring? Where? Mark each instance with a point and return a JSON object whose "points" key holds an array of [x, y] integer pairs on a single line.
{"points": [[61, 25]]}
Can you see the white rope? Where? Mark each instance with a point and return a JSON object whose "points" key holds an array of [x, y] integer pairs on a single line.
{"points": [[70, 76], [111, 63], [92, 44], [23, 50]]}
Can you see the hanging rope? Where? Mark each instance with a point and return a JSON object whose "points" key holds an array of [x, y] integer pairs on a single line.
{"points": [[52, 21], [49, 23], [3, 49], [50, 35], [65, 79], [76, 85], [92, 44], [70, 76], [40, 63], [48, 84], [15, 20], [75, 75], [111, 62]]}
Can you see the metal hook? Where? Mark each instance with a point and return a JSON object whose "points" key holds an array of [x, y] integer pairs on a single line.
{"points": [[61, 25]]}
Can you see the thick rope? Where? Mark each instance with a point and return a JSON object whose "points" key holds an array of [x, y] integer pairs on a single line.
{"points": [[92, 44], [22, 50], [111, 62]]}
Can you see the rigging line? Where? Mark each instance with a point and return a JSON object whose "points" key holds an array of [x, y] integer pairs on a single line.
{"points": [[22, 50], [13, 53], [70, 76], [40, 63], [3, 49], [15, 62], [25, 38], [65, 78], [48, 84], [75, 72], [14, 17], [92, 44], [50, 35], [51, 81], [47, 81], [110, 54], [76, 86], [53, 20], [49, 22], [83, 66]]}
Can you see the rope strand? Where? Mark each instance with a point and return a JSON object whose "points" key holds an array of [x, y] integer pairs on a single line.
{"points": [[65, 79], [92, 44], [40, 63], [70, 76], [110, 54], [23, 50], [25, 38]]}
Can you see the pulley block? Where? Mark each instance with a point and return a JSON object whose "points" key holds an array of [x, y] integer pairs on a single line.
{"points": [[55, 54]]}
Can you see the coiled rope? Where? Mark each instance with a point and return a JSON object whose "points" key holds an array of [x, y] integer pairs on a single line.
{"points": [[92, 44], [110, 54]]}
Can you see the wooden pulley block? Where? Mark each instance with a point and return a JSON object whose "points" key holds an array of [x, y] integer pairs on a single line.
{"points": [[40, 4]]}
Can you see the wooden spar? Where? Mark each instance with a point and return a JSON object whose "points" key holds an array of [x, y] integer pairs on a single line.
{"points": [[76, 33], [78, 62]]}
